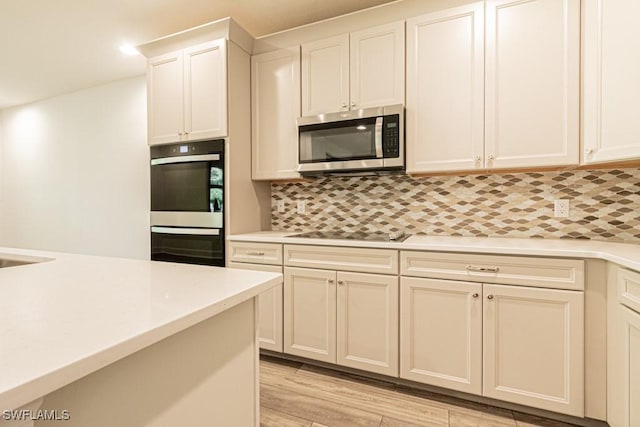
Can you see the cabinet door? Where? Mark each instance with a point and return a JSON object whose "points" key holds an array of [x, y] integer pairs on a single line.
{"points": [[310, 313], [631, 367], [441, 333], [534, 347], [367, 322], [205, 90], [275, 104], [325, 75], [532, 83], [611, 130], [377, 66], [164, 98], [269, 309], [445, 90]]}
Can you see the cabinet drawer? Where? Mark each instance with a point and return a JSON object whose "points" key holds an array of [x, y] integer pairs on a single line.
{"points": [[528, 271], [256, 267], [257, 253], [362, 260], [629, 288]]}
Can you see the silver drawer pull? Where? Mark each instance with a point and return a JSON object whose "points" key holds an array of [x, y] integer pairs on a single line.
{"points": [[256, 253], [483, 269]]}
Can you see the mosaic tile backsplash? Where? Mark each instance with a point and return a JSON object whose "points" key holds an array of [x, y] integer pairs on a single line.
{"points": [[604, 204]]}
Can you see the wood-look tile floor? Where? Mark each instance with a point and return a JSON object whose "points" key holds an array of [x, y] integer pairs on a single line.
{"points": [[295, 395]]}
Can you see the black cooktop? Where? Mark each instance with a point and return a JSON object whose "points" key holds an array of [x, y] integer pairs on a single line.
{"points": [[370, 236]]}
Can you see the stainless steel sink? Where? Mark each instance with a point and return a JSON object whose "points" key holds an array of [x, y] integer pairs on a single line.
{"points": [[11, 260], [12, 263]]}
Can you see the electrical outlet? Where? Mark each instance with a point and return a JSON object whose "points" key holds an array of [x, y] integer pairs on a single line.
{"points": [[280, 206], [301, 206], [561, 208]]}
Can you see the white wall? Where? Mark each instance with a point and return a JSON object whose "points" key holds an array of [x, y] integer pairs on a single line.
{"points": [[74, 172]]}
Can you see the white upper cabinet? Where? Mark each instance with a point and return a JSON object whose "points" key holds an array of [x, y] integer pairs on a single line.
{"points": [[325, 75], [377, 66], [165, 98], [352, 71], [187, 94], [494, 86], [205, 90], [532, 83], [611, 129], [445, 90], [275, 104]]}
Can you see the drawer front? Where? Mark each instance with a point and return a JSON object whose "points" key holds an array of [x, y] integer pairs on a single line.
{"points": [[527, 271], [629, 288], [256, 267], [362, 260], [257, 253]]}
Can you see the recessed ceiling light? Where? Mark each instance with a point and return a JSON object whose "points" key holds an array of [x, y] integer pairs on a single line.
{"points": [[361, 127], [127, 49]]}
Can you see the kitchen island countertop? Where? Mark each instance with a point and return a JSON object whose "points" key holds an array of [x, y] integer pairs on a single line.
{"points": [[70, 315]]}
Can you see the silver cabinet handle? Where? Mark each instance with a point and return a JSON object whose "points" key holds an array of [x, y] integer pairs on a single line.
{"points": [[378, 137], [344, 105], [475, 295], [185, 159], [482, 269], [353, 104], [489, 296], [255, 253], [340, 282], [193, 231], [329, 281]]}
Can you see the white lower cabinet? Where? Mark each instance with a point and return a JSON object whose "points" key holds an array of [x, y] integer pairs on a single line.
{"points": [[367, 322], [623, 349], [533, 347], [269, 309], [263, 257], [310, 313], [441, 333], [341, 317], [515, 343]]}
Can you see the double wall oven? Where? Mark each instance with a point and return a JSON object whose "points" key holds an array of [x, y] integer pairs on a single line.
{"points": [[187, 202]]}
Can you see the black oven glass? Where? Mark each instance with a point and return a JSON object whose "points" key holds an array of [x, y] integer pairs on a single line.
{"points": [[188, 248], [352, 140], [187, 187]]}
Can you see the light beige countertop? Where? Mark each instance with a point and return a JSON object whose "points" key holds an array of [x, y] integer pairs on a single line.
{"points": [[71, 315], [624, 254]]}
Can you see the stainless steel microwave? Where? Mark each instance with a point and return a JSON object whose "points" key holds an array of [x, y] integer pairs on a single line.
{"points": [[367, 140]]}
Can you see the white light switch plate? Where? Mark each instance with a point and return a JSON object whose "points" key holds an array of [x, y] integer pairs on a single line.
{"points": [[301, 206], [280, 206]]}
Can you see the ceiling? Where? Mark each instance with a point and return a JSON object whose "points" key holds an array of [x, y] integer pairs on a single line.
{"points": [[55, 47]]}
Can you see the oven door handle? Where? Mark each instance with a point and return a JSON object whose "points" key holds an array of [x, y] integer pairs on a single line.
{"points": [[185, 159], [378, 137], [193, 231]]}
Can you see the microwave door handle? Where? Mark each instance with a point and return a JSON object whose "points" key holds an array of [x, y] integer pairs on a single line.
{"points": [[192, 231], [378, 137], [185, 159]]}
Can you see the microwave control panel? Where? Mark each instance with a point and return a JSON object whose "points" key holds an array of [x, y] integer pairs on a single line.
{"points": [[391, 136]]}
